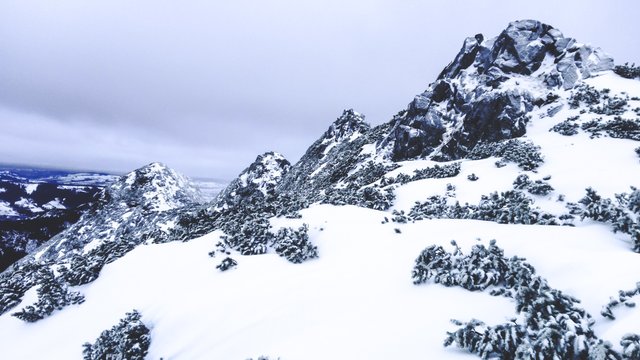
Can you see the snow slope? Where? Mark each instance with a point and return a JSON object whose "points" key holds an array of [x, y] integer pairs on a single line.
{"points": [[356, 301]]}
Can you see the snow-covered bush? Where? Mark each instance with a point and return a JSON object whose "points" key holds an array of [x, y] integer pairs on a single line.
{"points": [[628, 71], [437, 172], [584, 94], [13, 284], [375, 198], [129, 339], [630, 346], [433, 172], [596, 207], [370, 172], [623, 298], [537, 187], [566, 128], [435, 207], [550, 325], [226, 264], [294, 245], [510, 207], [618, 128], [371, 197], [524, 153], [472, 177], [53, 295]]}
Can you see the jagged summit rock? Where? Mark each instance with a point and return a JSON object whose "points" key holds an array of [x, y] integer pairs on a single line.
{"points": [[522, 47], [154, 187], [486, 92], [349, 125], [259, 179], [134, 203], [329, 159]]}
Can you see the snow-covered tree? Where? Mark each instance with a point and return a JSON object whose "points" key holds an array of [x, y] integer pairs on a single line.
{"points": [[129, 339], [53, 295]]}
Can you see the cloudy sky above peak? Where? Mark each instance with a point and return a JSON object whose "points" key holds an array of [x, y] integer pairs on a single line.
{"points": [[206, 86]]}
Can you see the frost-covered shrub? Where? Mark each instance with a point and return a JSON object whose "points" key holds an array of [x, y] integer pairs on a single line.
{"points": [[510, 207], [637, 151], [584, 94], [437, 172], [627, 71], [82, 269], [13, 284], [540, 187], [129, 339], [294, 245], [597, 208], [618, 128], [370, 172], [226, 264], [53, 295], [400, 217], [566, 128], [435, 207], [433, 172], [623, 298], [630, 346], [522, 182], [623, 216], [524, 153], [550, 325], [375, 198], [472, 177]]}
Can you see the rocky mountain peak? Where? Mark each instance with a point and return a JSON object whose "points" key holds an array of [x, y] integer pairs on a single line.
{"points": [[259, 179], [154, 187], [487, 91], [348, 124], [522, 49]]}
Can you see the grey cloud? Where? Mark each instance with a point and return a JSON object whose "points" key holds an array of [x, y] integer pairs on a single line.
{"points": [[232, 79]]}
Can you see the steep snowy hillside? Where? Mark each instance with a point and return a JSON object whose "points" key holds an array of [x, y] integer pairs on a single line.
{"points": [[36, 204], [503, 198]]}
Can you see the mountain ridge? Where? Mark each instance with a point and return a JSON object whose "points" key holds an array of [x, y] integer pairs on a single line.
{"points": [[484, 151]]}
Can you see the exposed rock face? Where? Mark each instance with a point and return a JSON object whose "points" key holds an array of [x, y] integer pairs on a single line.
{"points": [[259, 179], [137, 201], [329, 158], [483, 95], [154, 187]]}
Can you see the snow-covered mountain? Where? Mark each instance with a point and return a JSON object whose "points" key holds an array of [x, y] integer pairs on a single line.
{"points": [[36, 204], [378, 236]]}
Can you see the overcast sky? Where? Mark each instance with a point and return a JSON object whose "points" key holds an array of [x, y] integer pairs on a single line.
{"points": [[206, 86]]}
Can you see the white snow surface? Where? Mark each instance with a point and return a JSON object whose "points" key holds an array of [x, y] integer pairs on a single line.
{"points": [[7, 210], [356, 301], [54, 204], [30, 188]]}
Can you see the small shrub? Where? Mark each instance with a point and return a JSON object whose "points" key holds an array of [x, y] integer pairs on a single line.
{"points": [[226, 264], [294, 245], [627, 71], [53, 295], [129, 339]]}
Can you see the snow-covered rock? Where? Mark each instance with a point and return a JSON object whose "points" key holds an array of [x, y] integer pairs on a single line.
{"points": [[259, 179]]}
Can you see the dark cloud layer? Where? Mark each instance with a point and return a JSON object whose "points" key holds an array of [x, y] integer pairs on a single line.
{"points": [[205, 86]]}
